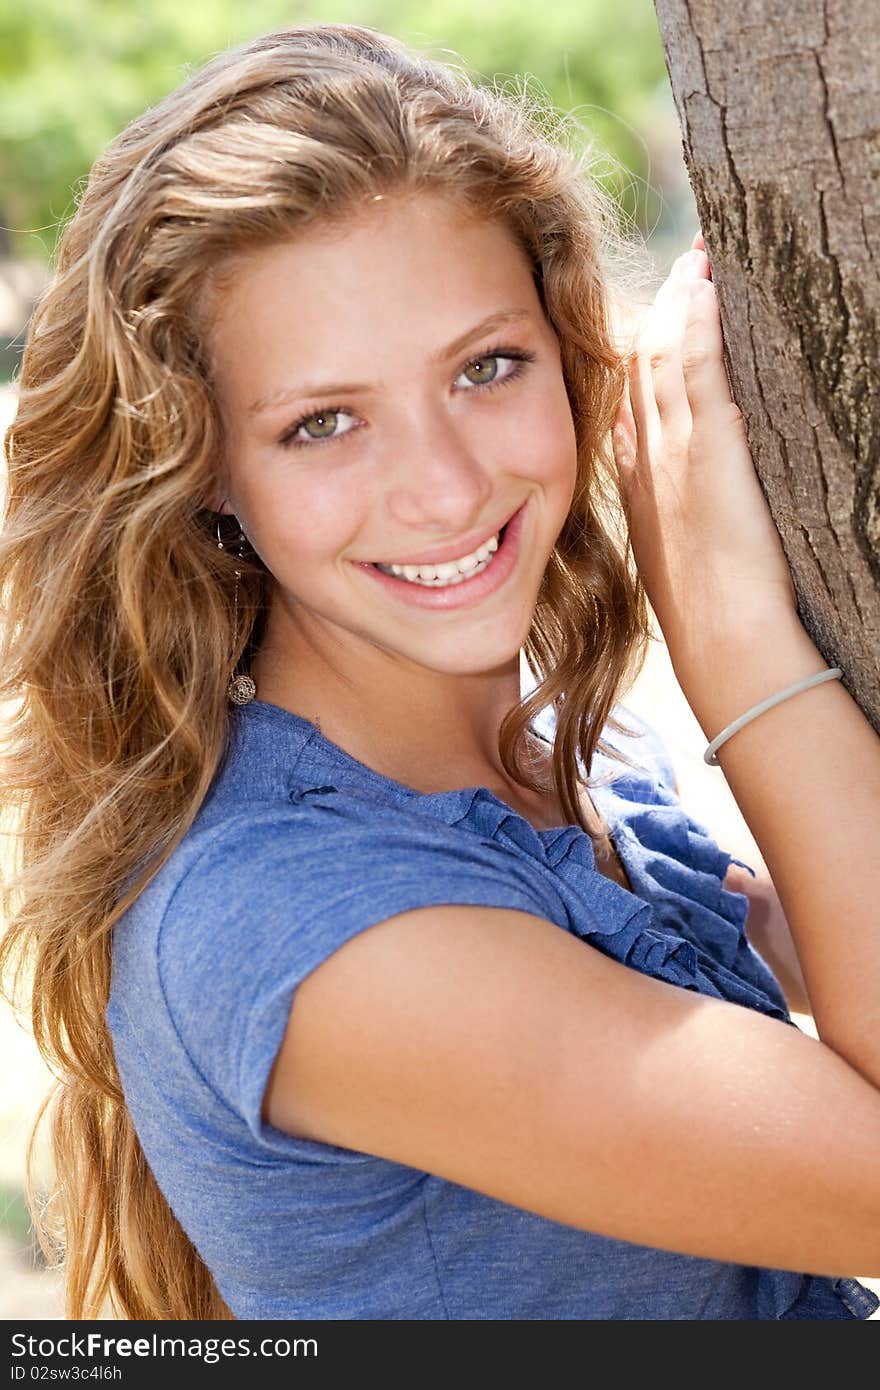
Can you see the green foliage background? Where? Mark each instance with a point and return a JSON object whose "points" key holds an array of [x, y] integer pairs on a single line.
{"points": [[74, 72]]}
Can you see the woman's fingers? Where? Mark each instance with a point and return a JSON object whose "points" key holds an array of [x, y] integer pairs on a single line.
{"points": [[643, 406], [657, 415], [664, 340], [624, 436], [703, 369], [683, 269], [631, 452], [660, 367], [685, 468]]}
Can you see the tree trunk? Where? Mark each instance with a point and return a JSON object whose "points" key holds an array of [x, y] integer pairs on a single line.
{"points": [[778, 102]]}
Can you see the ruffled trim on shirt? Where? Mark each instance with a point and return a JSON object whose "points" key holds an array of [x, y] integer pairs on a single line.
{"points": [[674, 863], [666, 930]]}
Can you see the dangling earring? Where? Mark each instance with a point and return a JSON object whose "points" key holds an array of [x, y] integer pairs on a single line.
{"points": [[242, 687]]}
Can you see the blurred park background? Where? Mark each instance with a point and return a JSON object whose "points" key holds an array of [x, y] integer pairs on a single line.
{"points": [[73, 72]]}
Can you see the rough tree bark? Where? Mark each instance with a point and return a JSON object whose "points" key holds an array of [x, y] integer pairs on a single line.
{"points": [[779, 103]]}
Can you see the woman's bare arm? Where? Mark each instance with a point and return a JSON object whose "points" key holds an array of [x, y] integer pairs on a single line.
{"points": [[768, 931], [496, 1050], [815, 818]]}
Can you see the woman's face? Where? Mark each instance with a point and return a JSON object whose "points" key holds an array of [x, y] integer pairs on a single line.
{"points": [[392, 394]]}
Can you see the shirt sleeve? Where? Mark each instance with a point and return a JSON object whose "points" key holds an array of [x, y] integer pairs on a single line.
{"points": [[275, 893]]}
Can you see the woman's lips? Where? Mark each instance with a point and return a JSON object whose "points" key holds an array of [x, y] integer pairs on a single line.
{"points": [[468, 591]]}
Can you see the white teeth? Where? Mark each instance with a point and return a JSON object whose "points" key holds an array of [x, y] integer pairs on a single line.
{"points": [[450, 571]]}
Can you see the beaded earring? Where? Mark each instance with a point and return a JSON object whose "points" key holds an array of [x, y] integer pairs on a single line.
{"points": [[242, 687]]}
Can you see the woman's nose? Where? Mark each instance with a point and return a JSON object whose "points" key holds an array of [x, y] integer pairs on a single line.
{"points": [[437, 482]]}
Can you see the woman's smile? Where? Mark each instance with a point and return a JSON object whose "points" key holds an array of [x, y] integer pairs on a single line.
{"points": [[452, 585]]}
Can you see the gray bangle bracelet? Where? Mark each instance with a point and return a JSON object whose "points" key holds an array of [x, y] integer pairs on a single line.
{"points": [[832, 673]]}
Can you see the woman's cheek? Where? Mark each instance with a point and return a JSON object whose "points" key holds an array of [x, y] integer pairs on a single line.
{"points": [[315, 522], [553, 445]]}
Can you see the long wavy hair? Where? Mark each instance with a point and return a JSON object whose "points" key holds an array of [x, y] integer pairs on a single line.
{"points": [[119, 630]]}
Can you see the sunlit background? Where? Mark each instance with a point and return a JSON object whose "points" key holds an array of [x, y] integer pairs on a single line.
{"points": [[73, 72]]}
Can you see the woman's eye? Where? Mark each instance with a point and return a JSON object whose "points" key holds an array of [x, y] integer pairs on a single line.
{"points": [[320, 425], [485, 369]]}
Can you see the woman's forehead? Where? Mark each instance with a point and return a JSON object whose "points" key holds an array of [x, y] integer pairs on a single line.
{"points": [[421, 219], [407, 268]]}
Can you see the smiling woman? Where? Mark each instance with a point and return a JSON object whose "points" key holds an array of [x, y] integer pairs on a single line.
{"points": [[368, 979]]}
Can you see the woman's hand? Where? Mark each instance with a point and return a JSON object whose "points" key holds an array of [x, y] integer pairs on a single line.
{"points": [[703, 536]]}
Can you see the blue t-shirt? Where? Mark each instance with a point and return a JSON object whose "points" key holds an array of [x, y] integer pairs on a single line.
{"points": [[296, 849]]}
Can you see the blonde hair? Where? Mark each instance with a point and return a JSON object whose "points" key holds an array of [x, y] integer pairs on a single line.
{"points": [[119, 629]]}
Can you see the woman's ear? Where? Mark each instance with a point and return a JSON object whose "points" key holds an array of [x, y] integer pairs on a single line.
{"points": [[216, 501]]}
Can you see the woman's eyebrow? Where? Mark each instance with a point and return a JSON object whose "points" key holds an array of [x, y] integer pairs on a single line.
{"points": [[330, 388]]}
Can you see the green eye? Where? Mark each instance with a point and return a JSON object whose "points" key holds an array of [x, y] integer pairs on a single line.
{"points": [[326, 421], [484, 369], [320, 427]]}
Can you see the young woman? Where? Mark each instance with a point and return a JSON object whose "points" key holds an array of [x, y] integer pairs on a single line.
{"points": [[375, 990]]}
